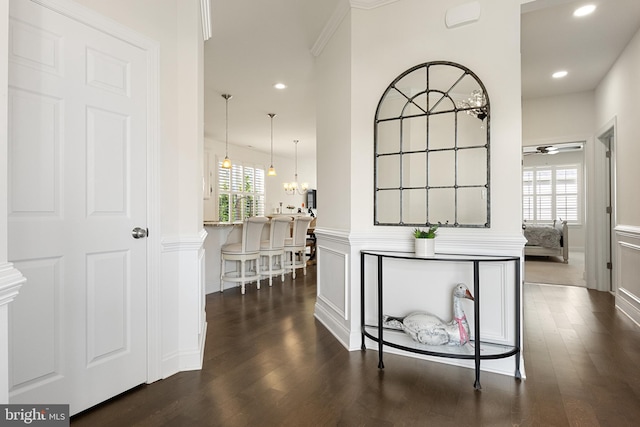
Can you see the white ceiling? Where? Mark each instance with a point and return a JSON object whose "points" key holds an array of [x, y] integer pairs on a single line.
{"points": [[257, 43], [552, 39]]}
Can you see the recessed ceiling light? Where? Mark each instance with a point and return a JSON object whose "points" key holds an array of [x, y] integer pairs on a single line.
{"points": [[280, 86], [584, 10], [559, 74]]}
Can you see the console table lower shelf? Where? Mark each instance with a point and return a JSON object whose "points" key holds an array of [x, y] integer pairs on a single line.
{"points": [[400, 340], [471, 351]]}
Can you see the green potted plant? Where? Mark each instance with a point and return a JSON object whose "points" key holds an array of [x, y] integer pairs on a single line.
{"points": [[425, 241]]}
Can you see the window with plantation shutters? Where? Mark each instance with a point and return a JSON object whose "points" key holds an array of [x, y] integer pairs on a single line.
{"points": [[550, 193], [241, 192]]}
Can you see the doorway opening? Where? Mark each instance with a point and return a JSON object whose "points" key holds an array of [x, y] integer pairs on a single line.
{"points": [[554, 212]]}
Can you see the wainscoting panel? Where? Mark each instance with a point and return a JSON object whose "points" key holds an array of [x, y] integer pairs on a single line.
{"points": [[334, 269], [334, 305], [627, 271]]}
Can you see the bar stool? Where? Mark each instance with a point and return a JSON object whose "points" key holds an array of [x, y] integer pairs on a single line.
{"points": [[247, 250], [272, 250], [296, 246]]}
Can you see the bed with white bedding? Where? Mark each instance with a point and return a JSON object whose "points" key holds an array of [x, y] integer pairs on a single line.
{"points": [[547, 240]]}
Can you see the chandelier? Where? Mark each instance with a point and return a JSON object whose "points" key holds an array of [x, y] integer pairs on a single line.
{"points": [[293, 187], [475, 104]]}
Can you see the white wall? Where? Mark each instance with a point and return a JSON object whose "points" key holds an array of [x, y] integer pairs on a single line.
{"points": [[370, 48], [616, 102], [563, 118], [388, 40], [616, 97], [333, 132]]}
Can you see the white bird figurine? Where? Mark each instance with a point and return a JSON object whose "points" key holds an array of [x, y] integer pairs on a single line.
{"points": [[427, 328]]}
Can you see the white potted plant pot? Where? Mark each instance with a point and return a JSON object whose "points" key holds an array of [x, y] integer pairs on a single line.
{"points": [[425, 247]]}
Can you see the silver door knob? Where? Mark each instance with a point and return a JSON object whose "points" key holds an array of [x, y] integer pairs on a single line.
{"points": [[139, 233]]}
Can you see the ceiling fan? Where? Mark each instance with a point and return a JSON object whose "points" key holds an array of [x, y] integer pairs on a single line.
{"points": [[551, 149]]}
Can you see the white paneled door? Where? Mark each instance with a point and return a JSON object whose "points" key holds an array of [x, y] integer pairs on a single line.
{"points": [[77, 189]]}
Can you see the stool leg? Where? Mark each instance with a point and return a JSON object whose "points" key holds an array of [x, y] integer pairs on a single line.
{"points": [[242, 277], [221, 273], [281, 257], [257, 264], [303, 259], [270, 270], [293, 264]]}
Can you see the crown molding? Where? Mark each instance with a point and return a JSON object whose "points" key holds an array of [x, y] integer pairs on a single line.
{"points": [[205, 11], [369, 4], [341, 10]]}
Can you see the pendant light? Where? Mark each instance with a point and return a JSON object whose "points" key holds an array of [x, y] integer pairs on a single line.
{"points": [[226, 163], [293, 187], [272, 170]]}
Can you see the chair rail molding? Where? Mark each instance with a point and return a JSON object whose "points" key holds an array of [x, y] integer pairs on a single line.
{"points": [[459, 242], [181, 243]]}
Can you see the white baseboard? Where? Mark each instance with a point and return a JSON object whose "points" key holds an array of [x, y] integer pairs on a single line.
{"points": [[336, 328], [629, 305], [191, 360]]}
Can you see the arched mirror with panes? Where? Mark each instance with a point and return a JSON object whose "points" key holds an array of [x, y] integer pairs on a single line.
{"points": [[431, 141]]}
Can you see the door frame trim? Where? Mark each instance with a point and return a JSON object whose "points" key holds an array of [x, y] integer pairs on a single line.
{"points": [[607, 135], [151, 48]]}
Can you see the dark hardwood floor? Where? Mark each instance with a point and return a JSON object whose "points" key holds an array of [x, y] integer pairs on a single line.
{"points": [[268, 362]]}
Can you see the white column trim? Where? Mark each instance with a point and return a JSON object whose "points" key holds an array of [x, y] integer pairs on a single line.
{"points": [[184, 243], [10, 282]]}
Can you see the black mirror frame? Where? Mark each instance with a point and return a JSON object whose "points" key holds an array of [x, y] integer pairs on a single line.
{"points": [[482, 113]]}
